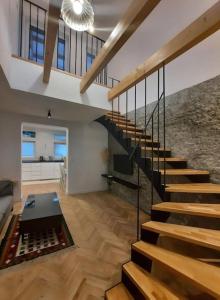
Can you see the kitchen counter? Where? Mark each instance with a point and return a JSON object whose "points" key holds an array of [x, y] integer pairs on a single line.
{"points": [[42, 161], [41, 170]]}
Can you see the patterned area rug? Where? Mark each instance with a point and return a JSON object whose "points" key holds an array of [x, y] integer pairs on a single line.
{"points": [[14, 250]]}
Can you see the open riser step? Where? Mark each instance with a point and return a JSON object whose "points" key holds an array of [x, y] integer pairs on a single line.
{"points": [[203, 276], [143, 285], [208, 238], [207, 210]]}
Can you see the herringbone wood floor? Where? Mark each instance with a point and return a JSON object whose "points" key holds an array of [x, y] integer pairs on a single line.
{"points": [[103, 227]]}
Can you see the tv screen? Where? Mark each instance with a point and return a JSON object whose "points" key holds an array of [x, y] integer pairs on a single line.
{"points": [[122, 164]]}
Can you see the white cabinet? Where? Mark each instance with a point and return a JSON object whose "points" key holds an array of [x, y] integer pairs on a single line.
{"points": [[41, 171]]}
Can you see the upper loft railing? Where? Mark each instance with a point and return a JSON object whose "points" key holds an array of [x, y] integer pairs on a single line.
{"points": [[74, 51]]}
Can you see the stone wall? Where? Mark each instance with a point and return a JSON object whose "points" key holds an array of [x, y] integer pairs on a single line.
{"points": [[192, 132], [192, 125]]}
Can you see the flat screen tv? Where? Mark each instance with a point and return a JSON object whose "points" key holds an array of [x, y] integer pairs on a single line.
{"points": [[122, 164]]}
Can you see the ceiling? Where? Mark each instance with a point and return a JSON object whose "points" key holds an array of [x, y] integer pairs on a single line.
{"points": [[107, 15], [19, 102]]}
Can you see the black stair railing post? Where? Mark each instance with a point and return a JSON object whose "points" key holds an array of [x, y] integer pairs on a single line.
{"points": [[138, 203], [87, 50], [64, 46], [29, 52], [21, 25], [145, 121], [164, 128], [44, 45], [135, 113], [70, 44], [158, 121], [118, 108], [76, 46], [37, 34], [126, 115], [81, 54], [152, 158]]}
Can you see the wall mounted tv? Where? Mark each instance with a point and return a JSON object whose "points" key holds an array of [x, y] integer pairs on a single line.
{"points": [[122, 164]]}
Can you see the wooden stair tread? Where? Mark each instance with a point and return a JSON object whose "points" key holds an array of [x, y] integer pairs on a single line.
{"points": [[198, 209], [169, 159], [132, 133], [205, 276], [114, 112], [155, 149], [109, 115], [177, 172], [129, 128], [206, 188], [150, 287], [118, 292], [145, 140], [123, 122], [200, 236]]}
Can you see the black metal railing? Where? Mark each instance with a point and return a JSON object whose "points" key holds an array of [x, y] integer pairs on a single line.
{"points": [[74, 51], [150, 143]]}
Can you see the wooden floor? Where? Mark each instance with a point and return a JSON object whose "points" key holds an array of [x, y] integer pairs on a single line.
{"points": [[103, 227]]}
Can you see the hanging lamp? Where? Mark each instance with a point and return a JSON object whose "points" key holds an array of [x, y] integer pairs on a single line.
{"points": [[77, 14]]}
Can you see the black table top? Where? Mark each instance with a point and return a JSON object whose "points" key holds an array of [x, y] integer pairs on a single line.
{"points": [[43, 161], [45, 205]]}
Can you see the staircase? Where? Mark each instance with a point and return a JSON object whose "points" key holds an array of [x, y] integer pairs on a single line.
{"points": [[138, 279]]}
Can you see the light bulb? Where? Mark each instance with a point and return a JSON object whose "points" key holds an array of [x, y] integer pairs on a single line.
{"points": [[77, 7]]}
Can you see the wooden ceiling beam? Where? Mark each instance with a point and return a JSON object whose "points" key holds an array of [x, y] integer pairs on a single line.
{"points": [[200, 29], [135, 15], [52, 29]]}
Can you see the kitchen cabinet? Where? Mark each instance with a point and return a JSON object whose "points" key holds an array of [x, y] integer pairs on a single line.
{"points": [[41, 170]]}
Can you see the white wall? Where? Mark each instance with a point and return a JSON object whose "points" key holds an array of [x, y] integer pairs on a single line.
{"points": [[170, 17], [26, 76], [6, 35], [87, 143]]}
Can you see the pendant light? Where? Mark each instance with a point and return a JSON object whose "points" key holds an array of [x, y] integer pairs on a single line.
{"points": [[77, 14]]}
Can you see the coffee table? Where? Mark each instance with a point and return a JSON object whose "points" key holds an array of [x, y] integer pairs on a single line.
{"points": [[45, 213]]}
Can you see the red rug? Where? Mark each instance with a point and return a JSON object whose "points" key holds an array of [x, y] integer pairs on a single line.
{"points": [[14, 250]]}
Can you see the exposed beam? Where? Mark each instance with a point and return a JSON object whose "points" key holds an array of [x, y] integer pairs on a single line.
{"points": [[52, 29], [135, 15], [196, 32]]}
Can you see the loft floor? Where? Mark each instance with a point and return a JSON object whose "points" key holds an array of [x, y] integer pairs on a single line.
{"points": [[103, 227]]}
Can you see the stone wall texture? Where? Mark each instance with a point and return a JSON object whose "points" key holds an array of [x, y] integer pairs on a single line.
{"points": [[192, 132], [193, 125]]}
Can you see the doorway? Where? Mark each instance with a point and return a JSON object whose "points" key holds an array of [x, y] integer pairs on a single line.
{"points": [[44, 159]]}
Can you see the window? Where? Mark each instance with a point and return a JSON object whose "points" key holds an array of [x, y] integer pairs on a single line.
{"points": [[59, 137], [90, 58], [60, 150], [28, 149], [60, 147], [29, 134], [61, 54], [36, 48]]}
